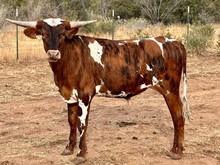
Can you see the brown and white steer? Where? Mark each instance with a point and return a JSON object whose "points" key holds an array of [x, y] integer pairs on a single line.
{"points": [[85, 66]]}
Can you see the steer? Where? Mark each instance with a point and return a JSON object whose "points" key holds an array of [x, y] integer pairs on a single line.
{"points": [[85, 66]]}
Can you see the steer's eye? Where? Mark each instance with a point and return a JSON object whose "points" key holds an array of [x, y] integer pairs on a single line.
{"points": [[43, 35]]}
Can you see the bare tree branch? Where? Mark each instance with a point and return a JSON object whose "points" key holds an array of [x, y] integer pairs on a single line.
{"points": [[158, 10]]}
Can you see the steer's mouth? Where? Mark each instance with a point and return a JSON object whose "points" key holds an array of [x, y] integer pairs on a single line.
{"points": [[52, 60], [53, 55]]}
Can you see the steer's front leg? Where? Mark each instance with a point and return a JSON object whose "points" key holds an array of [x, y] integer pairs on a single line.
{"points": [[84, 107], [72, 118]]}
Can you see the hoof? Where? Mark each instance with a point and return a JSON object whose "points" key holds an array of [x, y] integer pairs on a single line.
{"points": [[174, 156], [79, 160], [67, 152]]}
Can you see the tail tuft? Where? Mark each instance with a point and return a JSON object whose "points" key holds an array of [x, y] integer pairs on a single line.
{"points": [[186, 113]]}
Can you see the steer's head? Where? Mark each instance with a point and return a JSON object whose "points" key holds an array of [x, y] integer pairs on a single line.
{"points": [[53, 31]]}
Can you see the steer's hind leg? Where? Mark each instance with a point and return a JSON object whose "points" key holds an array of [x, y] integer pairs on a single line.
{"points": [[72, 118], [174, 104]]}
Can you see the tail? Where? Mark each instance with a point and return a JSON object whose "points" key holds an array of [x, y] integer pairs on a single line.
{"points": [[186, 112]]}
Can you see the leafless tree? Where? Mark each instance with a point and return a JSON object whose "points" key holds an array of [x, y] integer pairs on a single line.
{"points": [[3, 11], [158, 10], [104, 9], [34, 10]]}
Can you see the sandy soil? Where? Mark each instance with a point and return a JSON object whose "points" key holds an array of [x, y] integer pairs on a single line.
{"points": [[34, 128]]}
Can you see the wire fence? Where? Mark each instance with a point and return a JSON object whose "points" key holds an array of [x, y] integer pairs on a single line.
{"points": [[33, 48], [27, 48]]}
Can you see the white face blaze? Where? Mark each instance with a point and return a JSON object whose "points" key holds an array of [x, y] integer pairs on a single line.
{"points": [[96, 51], [53, 21]]}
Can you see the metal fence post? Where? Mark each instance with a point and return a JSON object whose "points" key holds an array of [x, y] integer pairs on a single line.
{"points": [[187, 45], [17, 57], [113, 29]]}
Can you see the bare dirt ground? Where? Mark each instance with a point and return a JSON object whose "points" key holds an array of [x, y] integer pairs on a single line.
{"points": [[34, 128]]}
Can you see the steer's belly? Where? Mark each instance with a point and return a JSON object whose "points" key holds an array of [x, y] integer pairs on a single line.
{"points": [[101, 90]]}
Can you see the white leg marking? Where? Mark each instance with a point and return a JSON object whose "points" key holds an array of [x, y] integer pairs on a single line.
{"points": [[82, 133], [96, 51], [84, 112], [73, 97]]}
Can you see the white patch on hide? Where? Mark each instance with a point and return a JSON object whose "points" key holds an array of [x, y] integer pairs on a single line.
{"points": [[73, 97], [144, 86], [120, 43], [148, 68], [169, 40], [96, 51], [155, 81], [158, 43], [84, 113], [136, 41]]}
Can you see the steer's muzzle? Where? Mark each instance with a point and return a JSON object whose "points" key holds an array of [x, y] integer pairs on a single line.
{"points": [[53, 55]]}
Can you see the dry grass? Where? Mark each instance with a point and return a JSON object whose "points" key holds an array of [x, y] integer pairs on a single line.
{"points": [[27, 48], [30, 49]]}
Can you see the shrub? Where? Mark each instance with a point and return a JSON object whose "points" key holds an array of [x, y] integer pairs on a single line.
{"points": [[199, 38], [139, 34], [168, 34], [98, 27]]}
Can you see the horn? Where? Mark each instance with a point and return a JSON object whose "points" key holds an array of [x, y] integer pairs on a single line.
{"points": [[74, 24], [23, 23]]}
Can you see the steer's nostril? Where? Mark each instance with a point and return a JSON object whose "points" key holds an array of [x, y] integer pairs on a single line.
{"points": [[57, 54]]}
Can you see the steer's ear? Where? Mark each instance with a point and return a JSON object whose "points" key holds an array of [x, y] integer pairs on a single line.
{"points": [[32, 32], [71, 32]]}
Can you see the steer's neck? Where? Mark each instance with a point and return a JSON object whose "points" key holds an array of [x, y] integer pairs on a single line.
{"points": [[74, 64]]}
